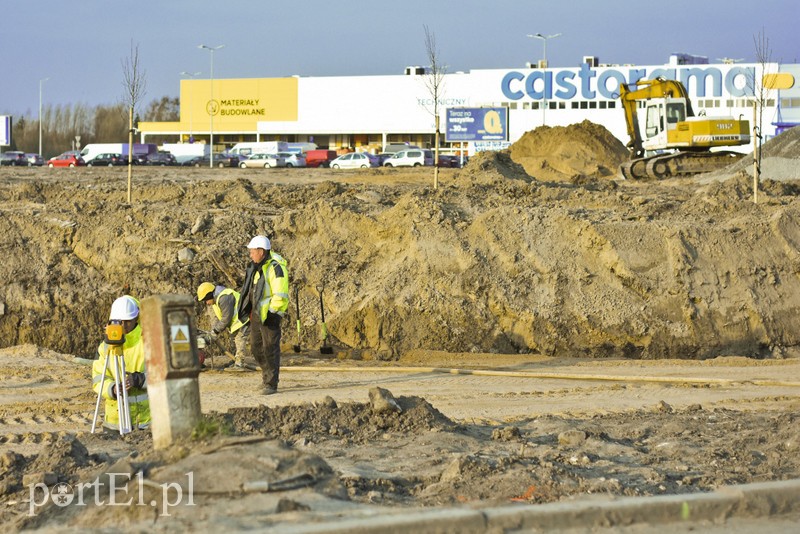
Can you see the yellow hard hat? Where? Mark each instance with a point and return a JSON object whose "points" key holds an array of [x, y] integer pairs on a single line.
{"points": [[205, 291]]}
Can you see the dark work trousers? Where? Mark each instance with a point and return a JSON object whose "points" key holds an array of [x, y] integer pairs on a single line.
{"points": [[265, 345]]}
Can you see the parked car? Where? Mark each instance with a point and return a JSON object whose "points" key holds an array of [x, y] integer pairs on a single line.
{"points": [[71, 158], [383, 156], [262, 161], [107, 159], [162, 159], [34, 160], [410, 158], [220, 160], [320, 158], [355, 160], [293, 159], [194, 161], [13, 158], [449, 160]]}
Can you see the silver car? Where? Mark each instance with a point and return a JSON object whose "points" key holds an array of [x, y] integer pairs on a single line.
{"points": [[265, 161], [355, 160], [293, 159]]}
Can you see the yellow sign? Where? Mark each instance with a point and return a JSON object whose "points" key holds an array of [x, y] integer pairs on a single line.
{"points": [[180, 337], [237, 105], [780, 80]]}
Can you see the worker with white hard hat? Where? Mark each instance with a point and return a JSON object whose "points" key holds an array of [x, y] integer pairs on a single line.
{"points": [[125, 311], [223, 302], [264, 301]]}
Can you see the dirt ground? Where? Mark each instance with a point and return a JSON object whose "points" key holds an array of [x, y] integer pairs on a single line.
{"points": [[677, 300]]}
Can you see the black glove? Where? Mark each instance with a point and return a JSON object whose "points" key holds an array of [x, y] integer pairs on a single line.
{"points": [[273, 320], [137, 380], [114, 391]]}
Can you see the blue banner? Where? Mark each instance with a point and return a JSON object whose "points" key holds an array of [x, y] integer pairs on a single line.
{"points": [[476, 124]]}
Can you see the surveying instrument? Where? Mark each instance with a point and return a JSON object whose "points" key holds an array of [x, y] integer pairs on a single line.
{"points": [[115, 338]]}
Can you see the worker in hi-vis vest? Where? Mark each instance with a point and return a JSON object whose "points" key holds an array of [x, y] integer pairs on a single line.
{"points": [[223, 303], [265, 299], [125, 310]]}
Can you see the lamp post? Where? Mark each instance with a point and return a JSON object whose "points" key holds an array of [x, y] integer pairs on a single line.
{"points": [[40, 114], [211, 108], [544, 39], [189, 102]]}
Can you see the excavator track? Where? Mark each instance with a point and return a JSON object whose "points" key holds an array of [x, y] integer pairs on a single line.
{"points": [[679, 164]]}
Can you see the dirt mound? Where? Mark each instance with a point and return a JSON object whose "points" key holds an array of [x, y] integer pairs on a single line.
{"points": [[785, 145], [489, 167], [779, 157], [499, 263], [564, 152], [352, 422]]}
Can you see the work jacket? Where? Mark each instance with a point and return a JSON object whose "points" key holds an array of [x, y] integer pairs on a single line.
{"points": [[133, 351], [266, 287], [225, 305]]}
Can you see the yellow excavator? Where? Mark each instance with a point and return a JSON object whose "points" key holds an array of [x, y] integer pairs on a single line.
{"points": [[675, 142]]}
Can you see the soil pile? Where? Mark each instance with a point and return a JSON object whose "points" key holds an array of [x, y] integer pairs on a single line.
{"points": [[351, 422], [562, 153], [491, 168], [492, 261], [779, 157]]}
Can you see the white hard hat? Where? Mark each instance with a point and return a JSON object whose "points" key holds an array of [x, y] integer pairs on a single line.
{"points": [[259, 241], [124, 309]]}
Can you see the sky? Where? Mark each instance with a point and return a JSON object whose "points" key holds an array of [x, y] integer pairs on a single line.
{"points": [[79, 47]]}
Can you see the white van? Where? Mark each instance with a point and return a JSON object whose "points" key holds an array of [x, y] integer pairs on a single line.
{"points": [[262, 147], [415, 157]]}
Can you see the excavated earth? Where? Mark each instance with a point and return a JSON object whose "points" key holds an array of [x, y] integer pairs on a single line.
{"points": [[542, 251]]}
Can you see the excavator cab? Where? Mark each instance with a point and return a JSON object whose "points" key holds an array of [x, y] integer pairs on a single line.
{"points": [[661, 119]]}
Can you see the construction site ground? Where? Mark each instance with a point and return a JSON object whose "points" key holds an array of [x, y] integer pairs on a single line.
{"points": [[535, 332]]}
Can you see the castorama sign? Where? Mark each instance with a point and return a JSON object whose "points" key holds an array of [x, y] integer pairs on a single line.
{"points": [[587, 82]]}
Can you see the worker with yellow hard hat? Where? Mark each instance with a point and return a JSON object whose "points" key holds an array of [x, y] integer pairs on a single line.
{"points": [[124, 311], [223, 303]]}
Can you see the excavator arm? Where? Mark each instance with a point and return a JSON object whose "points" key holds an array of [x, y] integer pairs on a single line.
{"points": [[629, 94]]}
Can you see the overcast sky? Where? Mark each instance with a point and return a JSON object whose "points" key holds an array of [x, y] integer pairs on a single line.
{"points": [[80, 45]]}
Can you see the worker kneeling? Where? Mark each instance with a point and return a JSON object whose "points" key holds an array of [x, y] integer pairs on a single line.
{"points": [[224, 302], [124, 311]]}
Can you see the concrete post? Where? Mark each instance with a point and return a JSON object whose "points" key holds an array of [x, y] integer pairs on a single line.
{"points": [[170, 347]]}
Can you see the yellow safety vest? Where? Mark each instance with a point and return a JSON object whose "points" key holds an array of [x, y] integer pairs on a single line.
{"points": [[236, 324], [138, 402], [275, 297]]}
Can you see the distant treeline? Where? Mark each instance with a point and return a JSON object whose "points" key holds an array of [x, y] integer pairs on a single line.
{"points": [[102, 124]]}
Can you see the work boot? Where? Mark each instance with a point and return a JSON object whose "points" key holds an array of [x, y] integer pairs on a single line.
{"points": [[268, 390]]}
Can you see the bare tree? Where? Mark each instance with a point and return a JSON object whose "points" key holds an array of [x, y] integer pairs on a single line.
{"points": [[760, 96], [434, 81], [135, 83]]}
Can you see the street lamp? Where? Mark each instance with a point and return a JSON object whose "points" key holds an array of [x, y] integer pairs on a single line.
{"points": [[211, 108], [40, 114], [189, 102], [544, 39]]}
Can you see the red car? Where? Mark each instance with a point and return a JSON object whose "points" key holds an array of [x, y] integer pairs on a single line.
{"points": [[67, 159]]}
